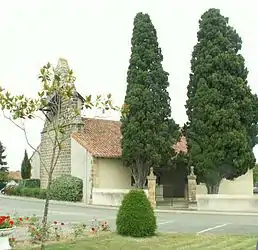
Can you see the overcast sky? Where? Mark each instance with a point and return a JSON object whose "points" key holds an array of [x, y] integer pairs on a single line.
{"points": [[95, 36]]}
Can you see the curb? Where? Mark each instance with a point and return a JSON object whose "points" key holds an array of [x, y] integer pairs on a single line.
{"points": [[83, 205], [170, 211], [66, 203]]}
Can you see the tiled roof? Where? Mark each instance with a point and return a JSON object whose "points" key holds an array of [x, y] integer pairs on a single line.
{"points": [[102, 138], [181, 145], [15, 175]]}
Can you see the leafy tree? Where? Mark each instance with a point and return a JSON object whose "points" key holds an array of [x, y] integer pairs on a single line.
{"points": [[148, 133], [222, 111], [57, 88], [26, 167], [3, 169]]}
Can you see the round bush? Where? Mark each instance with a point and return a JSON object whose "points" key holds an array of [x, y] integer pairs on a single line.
{"points": [[67, 188], [135, 216]]}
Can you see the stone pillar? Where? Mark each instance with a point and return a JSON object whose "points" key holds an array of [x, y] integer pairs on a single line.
{"points": [[192, 184], [152, 188]]}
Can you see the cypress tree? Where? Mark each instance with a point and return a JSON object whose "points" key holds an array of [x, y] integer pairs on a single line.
{"points": [[2, 156], [148, 133], [3, 169], [26, 167], [222, 111]]}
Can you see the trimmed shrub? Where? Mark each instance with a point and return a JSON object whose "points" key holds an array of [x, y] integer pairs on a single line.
{"points": [[29, 183], [27, 192], [135, 216], [67, 188]]}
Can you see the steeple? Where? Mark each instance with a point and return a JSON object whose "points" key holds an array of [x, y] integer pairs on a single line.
{"points": [[62, 66]]}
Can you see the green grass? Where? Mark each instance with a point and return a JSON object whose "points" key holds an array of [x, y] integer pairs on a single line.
{"points": [[164, 241]]}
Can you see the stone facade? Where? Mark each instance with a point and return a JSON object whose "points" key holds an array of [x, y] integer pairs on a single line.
{"points": [[63, 165]]}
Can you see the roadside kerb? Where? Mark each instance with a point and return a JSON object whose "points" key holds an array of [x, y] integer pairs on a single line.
{"points": [[81, 204], [29, 199]]}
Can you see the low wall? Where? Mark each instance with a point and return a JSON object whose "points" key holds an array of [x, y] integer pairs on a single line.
{"points": [[109, 197], [227, 203], [243, 185]]}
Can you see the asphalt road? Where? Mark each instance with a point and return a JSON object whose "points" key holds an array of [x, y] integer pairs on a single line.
{"points": [[167, 222]]}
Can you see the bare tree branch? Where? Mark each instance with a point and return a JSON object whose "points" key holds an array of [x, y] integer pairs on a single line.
{"points": [[26, 137]]}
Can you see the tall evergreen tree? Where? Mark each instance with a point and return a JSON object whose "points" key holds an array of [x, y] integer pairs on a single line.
{"points": [[148, 133], [222, 111], [2, 156], [3, 168], [26, 167]]}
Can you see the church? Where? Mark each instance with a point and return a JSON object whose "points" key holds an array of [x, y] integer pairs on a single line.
{"points": [[92, 152]]}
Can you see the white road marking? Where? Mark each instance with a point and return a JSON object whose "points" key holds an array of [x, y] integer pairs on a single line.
{"points": [[212, 228], [166, 222]]}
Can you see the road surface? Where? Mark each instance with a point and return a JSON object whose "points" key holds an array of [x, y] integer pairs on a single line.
{"points": [[167, 222]]}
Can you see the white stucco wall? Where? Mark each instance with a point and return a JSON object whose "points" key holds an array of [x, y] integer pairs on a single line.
{"points": [[227, 203], [35, 166], [112, 174], [109, 196], [242, 185], [81, 167]]}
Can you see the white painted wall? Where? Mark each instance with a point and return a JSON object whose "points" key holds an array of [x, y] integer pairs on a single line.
{"points": [[81, 167], [242, 185], [112, 174], [109, 196], [114, 181], [227, 203], [35, 166]]}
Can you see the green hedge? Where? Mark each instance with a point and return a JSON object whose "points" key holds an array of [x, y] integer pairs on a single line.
{"points": [[27, 192], [135, 216], [67, 188], [29, 183]]}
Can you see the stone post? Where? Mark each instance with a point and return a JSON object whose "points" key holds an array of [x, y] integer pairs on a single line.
{"points": [[152, 188], [192, 185]]}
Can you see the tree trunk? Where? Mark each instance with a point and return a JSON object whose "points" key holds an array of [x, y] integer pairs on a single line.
{"points": [[45, 215], [140, 181], [213, 188], [140, 175]]}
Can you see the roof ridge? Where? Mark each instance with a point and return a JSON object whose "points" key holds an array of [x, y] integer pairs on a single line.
{"points": [[100, 119]]}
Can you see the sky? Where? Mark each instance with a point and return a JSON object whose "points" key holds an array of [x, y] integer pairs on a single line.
{"points": [[95, 38]]}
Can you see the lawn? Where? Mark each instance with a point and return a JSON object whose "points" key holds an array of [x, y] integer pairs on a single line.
{"points": [[161, 242]]}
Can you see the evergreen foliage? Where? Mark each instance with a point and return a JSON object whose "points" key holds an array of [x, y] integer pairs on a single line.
{"points": [[26, 167], [136, 217], [67, 188], [148, 133], [222, 111], [3, 168]]}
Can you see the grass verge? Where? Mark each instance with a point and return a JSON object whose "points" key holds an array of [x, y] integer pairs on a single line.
{"points": [[161, 242]]}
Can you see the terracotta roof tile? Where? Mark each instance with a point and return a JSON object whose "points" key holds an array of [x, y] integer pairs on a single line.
{"points": [[16, 175], [102, 138], [181, 145]]}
